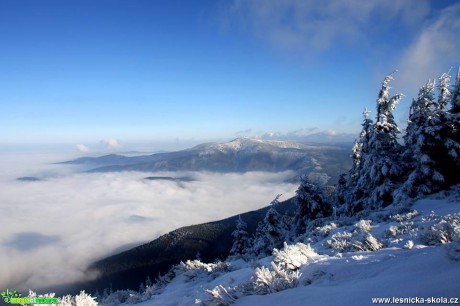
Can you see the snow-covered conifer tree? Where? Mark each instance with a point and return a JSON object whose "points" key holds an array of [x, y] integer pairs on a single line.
{"points": [[359, 150], [271, 232], [430, 144], [311, 204], [422, 176], [380, 168], [241, 240], [444, 128], [362, 146]]}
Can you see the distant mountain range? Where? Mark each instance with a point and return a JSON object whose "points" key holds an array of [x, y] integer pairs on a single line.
{"points": [[239, 155], [210, 240]]}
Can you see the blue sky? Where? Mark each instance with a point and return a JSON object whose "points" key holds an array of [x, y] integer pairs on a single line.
{"points": [[79, 72]]}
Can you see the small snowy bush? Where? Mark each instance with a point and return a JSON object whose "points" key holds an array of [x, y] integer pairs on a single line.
{"points": [[195, 268], [364, 225], [369, 243], [340, 242], [292, 257], [432, 217], [220, 296], [316, 233], [409, 245], [266, 281], [442, 232], [352, 242], [325, 229], [401, 229], [84, 299], [405, 217]]}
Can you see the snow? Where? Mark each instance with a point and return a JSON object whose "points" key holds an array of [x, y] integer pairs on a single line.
{"points": [[403, 268], [247, 143], [418, 257], [424, 272]]}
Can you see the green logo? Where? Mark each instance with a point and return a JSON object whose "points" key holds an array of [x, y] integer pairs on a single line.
{"points": [[14, 297]]}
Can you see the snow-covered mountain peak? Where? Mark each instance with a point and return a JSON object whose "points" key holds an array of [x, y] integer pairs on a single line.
{"points": [[251, 144]]}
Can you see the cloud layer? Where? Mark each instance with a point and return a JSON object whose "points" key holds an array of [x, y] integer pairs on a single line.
{"points": [[52, 229]]}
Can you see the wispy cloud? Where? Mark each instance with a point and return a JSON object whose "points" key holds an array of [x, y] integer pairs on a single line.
{"points": [[433, 52], [315, 25]]}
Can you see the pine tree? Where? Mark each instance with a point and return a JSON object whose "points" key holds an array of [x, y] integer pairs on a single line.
{"points": [[311, 204], [241, 241]]}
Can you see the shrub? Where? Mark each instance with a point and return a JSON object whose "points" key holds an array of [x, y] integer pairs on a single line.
{"points": [[364, 225], [195, 268], [266, 281], [442, 232], [221, 296], [358, 240], [292, 257]]}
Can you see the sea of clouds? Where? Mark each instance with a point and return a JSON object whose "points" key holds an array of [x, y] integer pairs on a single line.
{"points": [[50, 230]]}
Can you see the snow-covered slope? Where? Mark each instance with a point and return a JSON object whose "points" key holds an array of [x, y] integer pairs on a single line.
{"points": [[416, 255], [388, 257]]}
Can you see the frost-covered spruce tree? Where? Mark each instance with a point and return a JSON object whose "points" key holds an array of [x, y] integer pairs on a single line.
{"points": [[241, 239], [380, 168], [422, 176], [311, 204], [444, 127], [271, 232], [361, 147], [345, 196]]}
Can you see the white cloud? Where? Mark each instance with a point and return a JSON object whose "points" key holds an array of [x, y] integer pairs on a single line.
{"points": [[111, 144], [82, 148], [78, 218], [315, 25], [331, 133], [433, 52]]}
